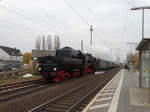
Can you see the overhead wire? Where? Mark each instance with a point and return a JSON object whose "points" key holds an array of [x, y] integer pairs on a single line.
{"points": [[24, 29], [31, 19], [93, 15], [126, 22], [76, 12], [19, 15], [89, 9], [41, 10], [47, 15], [23, 14], [34, 5], [10, 23], [127, 17]]}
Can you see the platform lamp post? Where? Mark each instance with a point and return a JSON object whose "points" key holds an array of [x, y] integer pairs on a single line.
{"points": [[143, 8]]}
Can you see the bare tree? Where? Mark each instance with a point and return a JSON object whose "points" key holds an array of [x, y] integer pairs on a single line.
{"points": [[49, 42], [43, 43], [38, 42], [56, 42]]}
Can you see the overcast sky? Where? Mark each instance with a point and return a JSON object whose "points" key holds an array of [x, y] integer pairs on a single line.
{"points": [[114, 23]]}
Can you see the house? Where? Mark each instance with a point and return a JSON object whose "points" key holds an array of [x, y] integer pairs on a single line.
{"points": [[7, 53]]}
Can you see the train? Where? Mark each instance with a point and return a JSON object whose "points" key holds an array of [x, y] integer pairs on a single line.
{"points": [[68, 63]]}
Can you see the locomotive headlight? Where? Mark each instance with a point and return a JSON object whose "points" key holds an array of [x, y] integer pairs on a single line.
{"points": [[54, 69], [39, 69]]}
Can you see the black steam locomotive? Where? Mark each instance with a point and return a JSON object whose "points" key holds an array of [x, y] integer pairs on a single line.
{"points": [[69, 63]]}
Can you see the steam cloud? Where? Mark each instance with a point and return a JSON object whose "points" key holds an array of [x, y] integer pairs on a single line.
{"points": [[101, 52]]}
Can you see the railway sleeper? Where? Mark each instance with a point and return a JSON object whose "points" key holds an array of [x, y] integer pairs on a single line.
{"points": [[51, 109], [62, 107], [71, 98], [17, 89], [18, 95], [66, 102]]}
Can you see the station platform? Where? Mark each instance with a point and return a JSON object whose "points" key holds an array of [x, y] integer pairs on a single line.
{"points": [[121, 94]]}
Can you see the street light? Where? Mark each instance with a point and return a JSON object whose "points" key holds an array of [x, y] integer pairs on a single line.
{"points": [[142, 8], [141, 73], [91, 29]]}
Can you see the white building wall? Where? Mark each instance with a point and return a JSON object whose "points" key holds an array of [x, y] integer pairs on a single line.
{"points": [[16, 58], [20, 58], [4, 55]]}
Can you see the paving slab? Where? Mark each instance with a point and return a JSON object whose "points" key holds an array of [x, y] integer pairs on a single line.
{"points": [[102, 101], [132, 98], [121, 94]]}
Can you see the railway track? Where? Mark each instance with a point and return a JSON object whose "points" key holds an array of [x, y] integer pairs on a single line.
{"points": [[11, 72], [13, 90], [5, 87], [75, 99]]}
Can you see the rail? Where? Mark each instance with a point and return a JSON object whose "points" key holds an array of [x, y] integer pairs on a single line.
{"points": [[70, 93]]}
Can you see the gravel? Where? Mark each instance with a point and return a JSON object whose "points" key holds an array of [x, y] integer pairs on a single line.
{"points": [[30, 101]]}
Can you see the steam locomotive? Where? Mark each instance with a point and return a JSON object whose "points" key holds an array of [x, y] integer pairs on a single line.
{"points": [[68, 63]]}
